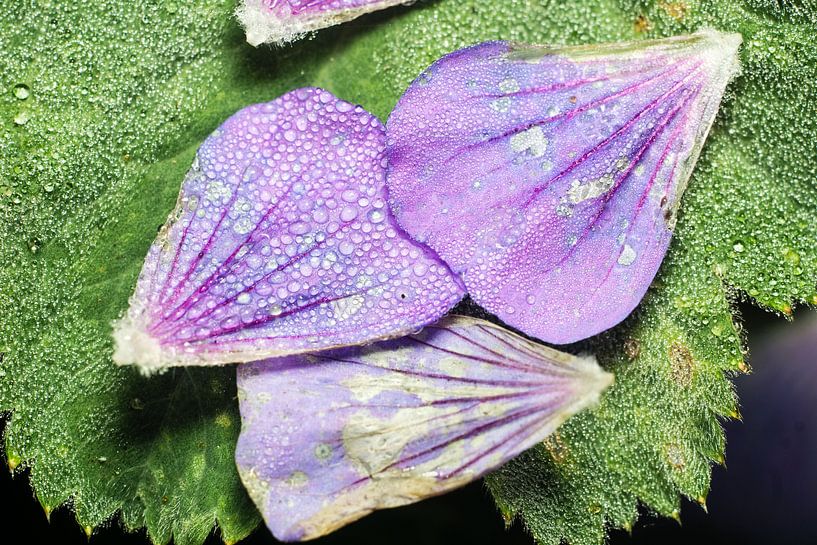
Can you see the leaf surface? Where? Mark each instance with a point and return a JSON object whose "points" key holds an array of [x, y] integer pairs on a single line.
{"points": [[121, 94]]}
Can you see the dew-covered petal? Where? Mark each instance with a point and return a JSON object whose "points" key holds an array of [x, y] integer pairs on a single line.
{"points": [[279, 21], [550, 177], [328, 438], [282, 242]]}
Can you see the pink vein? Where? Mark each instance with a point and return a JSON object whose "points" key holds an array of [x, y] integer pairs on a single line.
{"points": [[570, 114], [220, 272]]}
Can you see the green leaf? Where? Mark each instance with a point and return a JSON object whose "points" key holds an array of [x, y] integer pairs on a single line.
{"points": [[121, 94]]}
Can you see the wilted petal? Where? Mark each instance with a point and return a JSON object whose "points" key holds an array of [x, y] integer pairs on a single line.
{"points": [[327, 439], [277, 21], [549, 177], [282, 242]]}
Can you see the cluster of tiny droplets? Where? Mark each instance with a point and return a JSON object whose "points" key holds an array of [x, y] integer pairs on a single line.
{"points": [[115, 86], [282, 239]]}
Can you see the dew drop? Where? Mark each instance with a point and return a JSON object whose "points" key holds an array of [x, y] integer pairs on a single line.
{"points": [[376, 216], [21, 91], [22, 118], [346, 247], [299, 228], [348, 213]]}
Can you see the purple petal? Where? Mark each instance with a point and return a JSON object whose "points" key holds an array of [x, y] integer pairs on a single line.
{"points": [[282, 242], [550, 177], [327, 439], [277, 21]]}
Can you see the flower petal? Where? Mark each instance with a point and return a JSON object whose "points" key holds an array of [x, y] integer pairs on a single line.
{"points": [[279, 21], [327, 439], [550, 177], [282, 242]]}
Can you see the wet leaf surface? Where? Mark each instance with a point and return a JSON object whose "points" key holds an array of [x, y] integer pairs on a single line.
{"points": [[121, 94]]}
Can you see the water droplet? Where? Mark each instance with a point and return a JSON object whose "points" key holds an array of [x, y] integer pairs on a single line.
{"points": [[348, 213], [738, 247], [531, 299], [791, 256], [21, 91], [22, 118], [346, 247], [420, 269], [299, 228], [376, 216]]}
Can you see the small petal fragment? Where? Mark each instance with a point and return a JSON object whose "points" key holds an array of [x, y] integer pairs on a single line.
{"points": [[328, 438], [550, 177], [279, 21], [282, 242]]}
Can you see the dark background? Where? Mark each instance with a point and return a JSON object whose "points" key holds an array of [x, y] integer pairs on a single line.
{"points": [[767, 494]]}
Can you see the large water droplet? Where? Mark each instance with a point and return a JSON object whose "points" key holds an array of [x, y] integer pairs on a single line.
{"points": [[21, 91], [348, 213], [22, 118]]}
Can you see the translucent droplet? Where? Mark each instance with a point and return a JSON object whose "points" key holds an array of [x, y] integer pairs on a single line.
{"points": [[22, 118], [21, 91], [348, 213], [346, 247], [376, 216], [420, 269]]}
